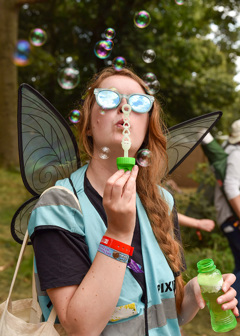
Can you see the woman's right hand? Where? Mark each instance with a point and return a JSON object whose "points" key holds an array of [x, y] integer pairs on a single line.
{"points": [[119, 201]]}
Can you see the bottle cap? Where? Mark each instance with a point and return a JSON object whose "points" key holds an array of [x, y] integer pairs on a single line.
{"points": [[206, 265], [125, 163]]}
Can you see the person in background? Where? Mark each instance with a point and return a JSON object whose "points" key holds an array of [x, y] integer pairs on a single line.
{"points": [[227, 193], [198, 224]]}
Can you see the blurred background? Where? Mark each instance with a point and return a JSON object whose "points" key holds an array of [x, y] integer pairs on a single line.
{"points": [[188, 51]]}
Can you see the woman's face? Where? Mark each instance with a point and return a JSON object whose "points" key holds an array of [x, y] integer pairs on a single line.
{"points": [[106, 125]]}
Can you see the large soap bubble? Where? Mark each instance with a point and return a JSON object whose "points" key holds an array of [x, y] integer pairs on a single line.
{"points": [[142, 19], [144, 157], [68, 78], [109, 33], [102, 49], [21, 56], [38, 37], [149, 56], [75, 116], [119, 63]]}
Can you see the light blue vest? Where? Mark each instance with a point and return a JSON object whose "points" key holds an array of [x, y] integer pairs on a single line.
{"points": [[128, 317]]}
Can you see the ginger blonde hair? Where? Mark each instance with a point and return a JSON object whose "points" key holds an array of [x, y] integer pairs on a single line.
{"points": [[155, 140]]}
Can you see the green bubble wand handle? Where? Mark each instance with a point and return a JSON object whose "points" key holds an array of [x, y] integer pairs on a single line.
{"points": [[126, 162]]}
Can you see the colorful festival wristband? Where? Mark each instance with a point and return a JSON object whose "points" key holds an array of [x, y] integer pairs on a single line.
{"points": [[108, 251], [117, 245]]}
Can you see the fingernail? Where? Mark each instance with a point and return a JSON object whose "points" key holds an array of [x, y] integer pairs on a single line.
{"points": [[224, 307], [127, 172], [224, 288], [219, 300], [202, 305], [135, 167]]}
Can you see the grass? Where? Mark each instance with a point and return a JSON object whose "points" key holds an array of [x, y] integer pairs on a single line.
{"points": [[13, 194]]}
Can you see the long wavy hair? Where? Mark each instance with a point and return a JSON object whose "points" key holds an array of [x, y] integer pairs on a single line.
{"points": [[155, 140]]}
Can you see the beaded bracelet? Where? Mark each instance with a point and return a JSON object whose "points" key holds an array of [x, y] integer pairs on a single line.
{"points": [[108, 251], [117, 245]]}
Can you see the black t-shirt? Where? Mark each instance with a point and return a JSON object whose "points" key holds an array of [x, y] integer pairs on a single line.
{"points": [[62, 257]]}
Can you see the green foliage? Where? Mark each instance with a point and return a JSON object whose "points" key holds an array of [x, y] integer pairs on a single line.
{"points": [[199, 204], [195, 72]]}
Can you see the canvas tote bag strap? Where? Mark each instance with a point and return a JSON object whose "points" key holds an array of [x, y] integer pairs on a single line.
{"points": [[53, 313], [24, 244]]}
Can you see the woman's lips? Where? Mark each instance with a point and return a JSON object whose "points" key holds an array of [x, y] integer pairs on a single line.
{"points": [[120, 123]]}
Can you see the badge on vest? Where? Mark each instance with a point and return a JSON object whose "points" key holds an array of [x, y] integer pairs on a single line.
{"points": [[123, 312]]}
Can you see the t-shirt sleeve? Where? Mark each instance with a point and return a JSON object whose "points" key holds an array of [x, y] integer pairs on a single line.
{"points": [[61, 257]]}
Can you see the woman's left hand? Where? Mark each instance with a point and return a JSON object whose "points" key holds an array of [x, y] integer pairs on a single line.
{"points": [[227, 300]]}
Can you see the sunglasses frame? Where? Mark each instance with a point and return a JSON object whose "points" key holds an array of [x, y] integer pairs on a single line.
{"points": [[98, 90]]}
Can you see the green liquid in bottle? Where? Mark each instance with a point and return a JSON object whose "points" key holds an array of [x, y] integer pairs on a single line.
{"points": [[210, 281]]}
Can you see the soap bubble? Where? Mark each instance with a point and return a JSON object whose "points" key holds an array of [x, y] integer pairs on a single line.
{"points": [[142, 19], [179, 2], [102, 112], [109, 45], [68, 78], [102, 50], [109, 33], [153, 87], [38, 37], [119, 63], [149, 77], [75, 116], [22, 53], [149, 56], [104, 153], [144, 157]]}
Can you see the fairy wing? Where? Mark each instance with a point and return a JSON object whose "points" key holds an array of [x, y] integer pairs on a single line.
{"points": [[47, 147], [183, 138], [47, 151]]}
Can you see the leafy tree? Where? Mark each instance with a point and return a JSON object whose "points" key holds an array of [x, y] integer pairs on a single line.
{"points": [[195, 71]]}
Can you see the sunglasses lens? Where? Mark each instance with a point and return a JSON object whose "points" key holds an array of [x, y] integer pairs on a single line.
{"points": [[108, 99], [140, 103]]}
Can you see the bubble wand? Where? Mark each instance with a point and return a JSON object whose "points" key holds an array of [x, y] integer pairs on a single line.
{"points": [[126, 162]]}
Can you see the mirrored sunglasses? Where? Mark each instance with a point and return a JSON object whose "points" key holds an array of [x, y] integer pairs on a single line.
{"points": [[109, 99]]}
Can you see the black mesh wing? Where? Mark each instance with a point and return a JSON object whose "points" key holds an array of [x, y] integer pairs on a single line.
{"points": [[183, 138], [20, 219], [47, 147]]}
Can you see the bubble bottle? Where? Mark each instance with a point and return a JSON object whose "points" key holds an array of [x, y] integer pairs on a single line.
{"points": [[210, 281], [126, 162]]}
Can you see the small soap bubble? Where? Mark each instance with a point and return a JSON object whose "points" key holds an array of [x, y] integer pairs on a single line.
{"points": [[153, 87], [109, 33], [119, 63], [149, 56], [21, 56], [149, 77], [109, 45], [104, 153], [75, 116], [179, 2], [142, 19], [144, 157], [102, 112], [68, 78], [38, 37], [102, 50]]}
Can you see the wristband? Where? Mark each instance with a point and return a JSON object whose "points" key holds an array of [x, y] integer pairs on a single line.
{"points": [[117, 245], [108, 251]]}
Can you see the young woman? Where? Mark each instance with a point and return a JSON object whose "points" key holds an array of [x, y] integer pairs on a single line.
{"points": [[97, 289]]}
